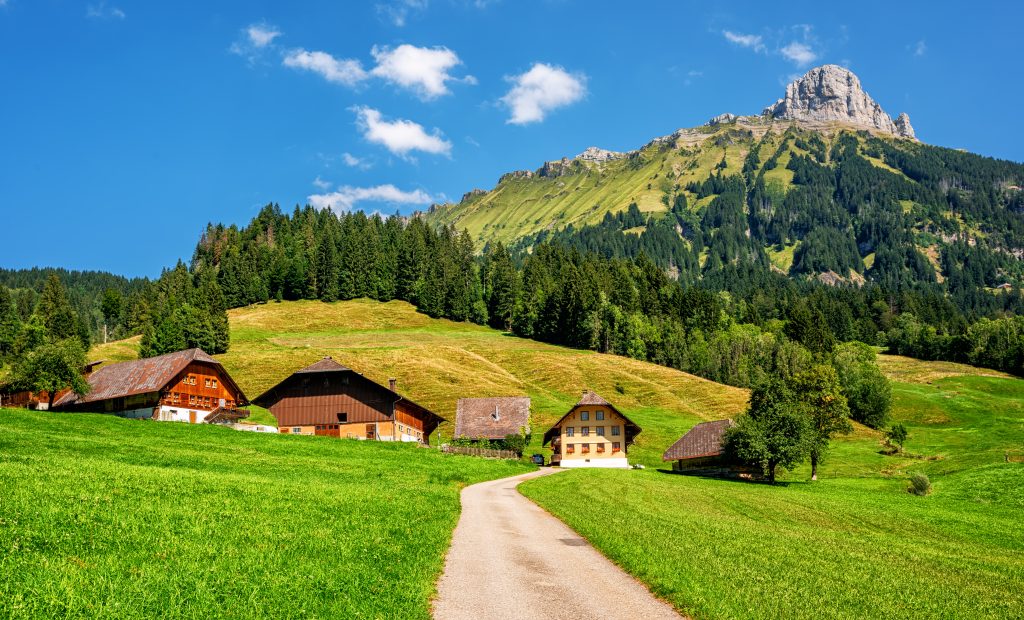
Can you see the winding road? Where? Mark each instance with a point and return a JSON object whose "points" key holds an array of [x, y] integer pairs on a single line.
{"points": [[511, 559]]}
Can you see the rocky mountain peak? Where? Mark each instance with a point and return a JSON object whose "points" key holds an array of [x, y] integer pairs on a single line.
{"points": [[592, 153], [834, 93]]}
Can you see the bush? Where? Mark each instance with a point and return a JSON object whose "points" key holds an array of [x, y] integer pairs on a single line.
{"points": [[920, 484], [896, 435]]}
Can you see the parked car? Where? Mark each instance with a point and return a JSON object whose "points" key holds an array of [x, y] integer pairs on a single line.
{"points": [[538, 459]]}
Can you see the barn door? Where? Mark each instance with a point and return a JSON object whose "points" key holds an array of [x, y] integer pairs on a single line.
{"points": [[371, 431], [191, 417]]}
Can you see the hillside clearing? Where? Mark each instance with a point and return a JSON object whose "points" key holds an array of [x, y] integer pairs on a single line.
{"points": [[139, 519], [437, 361]]}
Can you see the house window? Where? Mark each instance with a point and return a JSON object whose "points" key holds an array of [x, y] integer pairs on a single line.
{"points": [[570, 449], [585, 431], [600, 431], [616, 430], [191, 399], [206, 382], [343, 417], [319, 427], [213, 383], [616, 446], [570, 431], [584, 415], [175, 397], [586, 448], [600, 448], [296, 429], [599, 415]]}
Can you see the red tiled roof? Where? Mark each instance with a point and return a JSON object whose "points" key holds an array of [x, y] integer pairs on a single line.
{"points": [[141, 376], [491, 418], [701, 441]]}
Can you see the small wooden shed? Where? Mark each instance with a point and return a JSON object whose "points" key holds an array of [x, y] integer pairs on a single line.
{"points": [[701, 449]]}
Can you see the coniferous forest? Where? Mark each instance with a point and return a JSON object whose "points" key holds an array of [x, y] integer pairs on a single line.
{"points": [[695, 290]]}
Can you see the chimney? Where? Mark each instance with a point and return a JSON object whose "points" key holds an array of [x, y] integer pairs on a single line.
{"points": [[393, 384]]}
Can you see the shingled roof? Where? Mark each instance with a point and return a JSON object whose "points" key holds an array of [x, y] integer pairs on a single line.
{"points": [[491, 418], [327, 364], [703, 440], [140, 376]]}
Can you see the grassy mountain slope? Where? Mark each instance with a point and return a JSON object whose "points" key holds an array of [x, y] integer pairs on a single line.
{"points": [[581, 192], [437, 362], [852, 545]]}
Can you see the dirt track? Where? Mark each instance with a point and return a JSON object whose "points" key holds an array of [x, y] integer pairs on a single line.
{"points": [[510, 559]]}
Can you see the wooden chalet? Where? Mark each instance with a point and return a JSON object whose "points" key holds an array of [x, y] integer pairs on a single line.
{"points": [[326, 398], [701, 449], [185, 386], [592, 434], [492, 418]]}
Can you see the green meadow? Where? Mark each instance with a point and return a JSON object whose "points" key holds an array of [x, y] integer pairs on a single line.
{"points": [[104, 517], [855, 544]]}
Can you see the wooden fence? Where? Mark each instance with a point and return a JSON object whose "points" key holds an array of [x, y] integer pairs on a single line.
{"points": [[485, 452]]}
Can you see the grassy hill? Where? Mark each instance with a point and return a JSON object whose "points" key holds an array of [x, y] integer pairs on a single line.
{"points": [[104, 517], [852, 545], [437, 362]]}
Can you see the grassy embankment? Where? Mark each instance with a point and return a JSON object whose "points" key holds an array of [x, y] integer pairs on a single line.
{"points": [[104, 517], [437, 362], [852, 545]]}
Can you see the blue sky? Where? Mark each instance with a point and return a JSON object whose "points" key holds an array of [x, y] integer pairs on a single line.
{"points": [[127, 125]]}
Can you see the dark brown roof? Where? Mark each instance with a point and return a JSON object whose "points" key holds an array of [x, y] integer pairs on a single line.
{"points": [[701, 441], [590, 399], [325, 365], [141, 376], [491, 418]]}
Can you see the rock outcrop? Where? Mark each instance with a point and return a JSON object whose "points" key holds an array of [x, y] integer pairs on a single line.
{"points": [[592, 153], [834, 93], [516, 174], [721, 119]]}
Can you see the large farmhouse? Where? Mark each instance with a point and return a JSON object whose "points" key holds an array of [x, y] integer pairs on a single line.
{"points": [[492, 418], [185, 386], [592, 434], [329, 399]]}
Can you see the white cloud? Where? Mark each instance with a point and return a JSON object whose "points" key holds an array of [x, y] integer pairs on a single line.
{"points": [[920, 48], [320, 183], [261, 35], [101, 11], [540, 90], [398, 11], [423, 70], [339, 70], [346, 197], [752, 41], [352, 161], [799, 53], [400, 136]]}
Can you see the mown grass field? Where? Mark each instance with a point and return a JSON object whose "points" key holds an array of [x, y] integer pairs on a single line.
{"points": [[103, 517], [437, 362], [853, 545]]}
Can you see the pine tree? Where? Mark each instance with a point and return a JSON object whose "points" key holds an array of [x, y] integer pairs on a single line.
{"points": [[54, 308]]}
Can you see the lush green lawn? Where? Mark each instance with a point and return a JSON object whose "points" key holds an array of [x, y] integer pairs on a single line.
{"points": [[840, 548], [855, 544], [103, 517]]}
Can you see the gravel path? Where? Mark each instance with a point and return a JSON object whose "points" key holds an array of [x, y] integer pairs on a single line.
{"points": [[511, 559]]}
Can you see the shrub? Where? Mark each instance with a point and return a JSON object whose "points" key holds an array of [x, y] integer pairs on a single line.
{"points": [[896, 435], [920, 484]]}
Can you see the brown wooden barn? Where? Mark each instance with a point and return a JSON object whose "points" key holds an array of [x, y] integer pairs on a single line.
{"points": [[326, 398], [700, 450], [184, 386], [492, 418]]}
